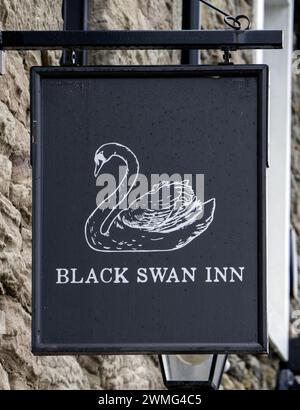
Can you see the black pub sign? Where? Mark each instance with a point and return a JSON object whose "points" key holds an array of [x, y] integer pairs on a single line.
{"points": [[149, 209]]}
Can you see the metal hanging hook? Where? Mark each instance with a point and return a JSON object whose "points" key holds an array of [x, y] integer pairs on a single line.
{"points": [[73, 57], [227, 57], [234, 22]]}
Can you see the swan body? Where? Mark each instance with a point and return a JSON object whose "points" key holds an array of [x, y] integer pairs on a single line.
{"points": [[162, 228]]}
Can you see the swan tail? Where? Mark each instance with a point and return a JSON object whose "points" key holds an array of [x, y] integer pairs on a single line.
{"points": [[208, 215]]}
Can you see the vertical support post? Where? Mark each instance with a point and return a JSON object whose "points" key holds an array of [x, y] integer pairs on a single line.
{"points": [[190, 21], [75, 16], [297, 24], [2, 62]]}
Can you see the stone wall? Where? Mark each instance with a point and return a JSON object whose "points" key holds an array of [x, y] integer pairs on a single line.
{"points": [[18, 367], [130, 15]]}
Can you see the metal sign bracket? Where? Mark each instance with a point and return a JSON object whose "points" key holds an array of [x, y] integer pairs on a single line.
{"points": [[75, 39], [75, 16], [142, 39]]}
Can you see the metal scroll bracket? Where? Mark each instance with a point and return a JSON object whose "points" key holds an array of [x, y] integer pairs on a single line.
{"points": [[236, 22]]}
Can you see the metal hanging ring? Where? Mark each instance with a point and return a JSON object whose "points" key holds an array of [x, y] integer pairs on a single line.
{"points": [[242, 19], [233, 22]]}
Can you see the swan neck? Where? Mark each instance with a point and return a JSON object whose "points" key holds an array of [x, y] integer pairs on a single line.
{"points": [[132, 168]]}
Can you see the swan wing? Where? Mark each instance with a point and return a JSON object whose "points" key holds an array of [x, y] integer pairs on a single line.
{"points": [[174, 213]]}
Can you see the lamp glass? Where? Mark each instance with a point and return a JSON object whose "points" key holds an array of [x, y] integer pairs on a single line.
{"points": [[195, 369], [177, 369]]}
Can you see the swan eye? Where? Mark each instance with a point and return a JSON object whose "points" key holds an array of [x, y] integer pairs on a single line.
{"points": [[99, 157]]}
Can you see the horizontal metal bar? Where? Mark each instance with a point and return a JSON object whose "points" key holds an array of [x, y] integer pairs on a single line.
{"points": [[134, 39]]}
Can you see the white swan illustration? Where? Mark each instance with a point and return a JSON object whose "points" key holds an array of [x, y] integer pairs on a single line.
{"points": [[110, 229]]}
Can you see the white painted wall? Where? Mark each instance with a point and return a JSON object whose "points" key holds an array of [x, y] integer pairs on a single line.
{"points": [[271, 15]]}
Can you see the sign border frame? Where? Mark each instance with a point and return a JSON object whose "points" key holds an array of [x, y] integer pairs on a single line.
{"points": [[261, 72]]}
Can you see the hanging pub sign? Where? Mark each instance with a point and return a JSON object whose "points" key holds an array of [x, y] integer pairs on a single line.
{"points": [[149, 209]]}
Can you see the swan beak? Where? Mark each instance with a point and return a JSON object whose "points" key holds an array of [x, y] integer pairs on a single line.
{"points": [[98, 167]]}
